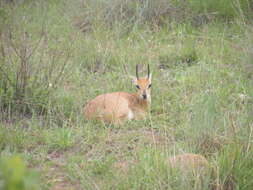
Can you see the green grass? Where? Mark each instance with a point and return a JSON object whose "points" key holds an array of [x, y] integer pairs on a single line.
{"points": [[201, 95]]}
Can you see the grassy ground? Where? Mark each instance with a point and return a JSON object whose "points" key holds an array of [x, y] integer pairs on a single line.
{"points": [[201, 97]]}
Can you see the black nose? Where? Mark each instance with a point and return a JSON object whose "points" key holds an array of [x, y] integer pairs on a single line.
{"points": [[144, 96]]}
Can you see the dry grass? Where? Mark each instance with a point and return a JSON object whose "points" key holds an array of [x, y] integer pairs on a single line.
{"points": [[66, 53]]}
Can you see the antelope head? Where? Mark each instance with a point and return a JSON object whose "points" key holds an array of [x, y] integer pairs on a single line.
{"points": [[143, 85]]}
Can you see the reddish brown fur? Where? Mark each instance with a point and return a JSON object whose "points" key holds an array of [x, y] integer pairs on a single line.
{"points": [[117, 106]]}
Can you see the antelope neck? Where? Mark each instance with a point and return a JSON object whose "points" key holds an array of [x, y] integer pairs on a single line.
{"points": [[141, 102]]}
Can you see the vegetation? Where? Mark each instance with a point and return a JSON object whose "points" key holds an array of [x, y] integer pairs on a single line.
{"points": [[57, 55], [14, 175]]}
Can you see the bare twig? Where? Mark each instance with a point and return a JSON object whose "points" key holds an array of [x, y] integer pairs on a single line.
{"points": [[2, 70], [7, 77], [57, 79], [250, 139]]}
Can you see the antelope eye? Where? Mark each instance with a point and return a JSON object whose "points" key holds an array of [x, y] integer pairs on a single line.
{"points": [[137, 86], [149, 86]]}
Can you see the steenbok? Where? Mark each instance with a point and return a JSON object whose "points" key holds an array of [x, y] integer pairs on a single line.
{"points": [[117, 107]]}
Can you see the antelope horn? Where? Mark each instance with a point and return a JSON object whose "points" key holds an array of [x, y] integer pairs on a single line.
{"points": [[148, 71], [137, 76]]}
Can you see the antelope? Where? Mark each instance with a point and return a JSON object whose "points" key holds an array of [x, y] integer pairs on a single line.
{"points": [[117, 107], [189, 162]]}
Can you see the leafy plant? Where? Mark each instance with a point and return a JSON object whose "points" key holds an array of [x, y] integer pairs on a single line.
{"points": [[15, 176]]}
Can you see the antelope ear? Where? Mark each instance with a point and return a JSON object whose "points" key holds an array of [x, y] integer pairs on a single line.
{"points": [[134, 79]]}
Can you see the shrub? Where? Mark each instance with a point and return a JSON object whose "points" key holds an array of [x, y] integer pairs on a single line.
{"points": [[128, 13], [235, 168], [31, 65], [222, 8], [15, 176]]}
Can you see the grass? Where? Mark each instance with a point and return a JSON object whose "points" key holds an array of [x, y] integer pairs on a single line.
{"points": [[201, 96]]}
